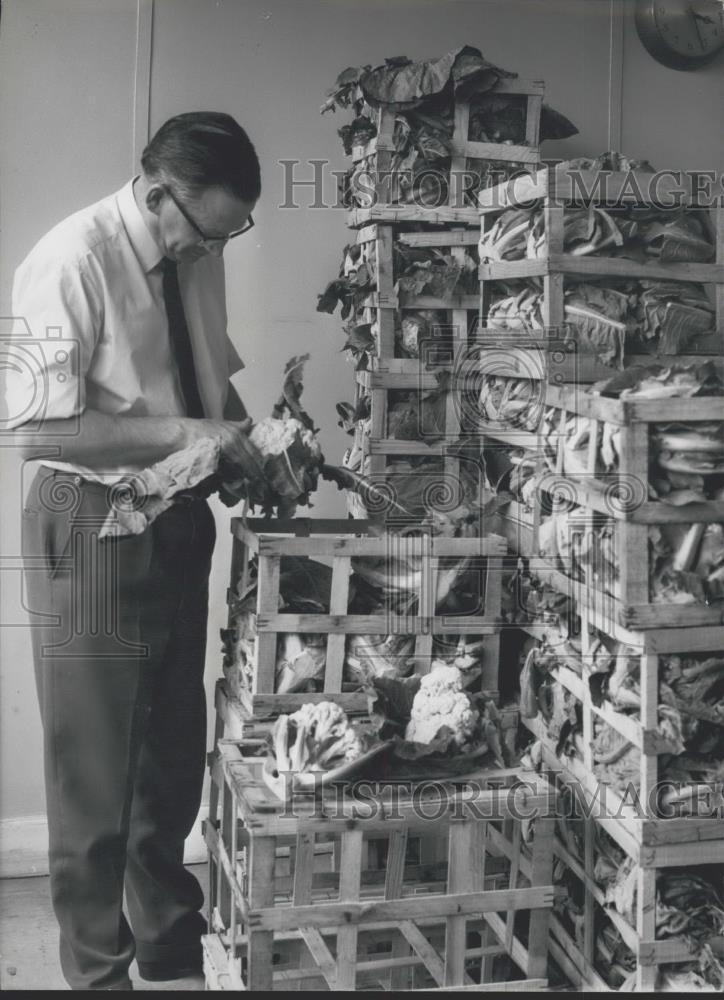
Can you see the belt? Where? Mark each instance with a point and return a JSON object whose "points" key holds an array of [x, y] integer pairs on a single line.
{"points": [[87, 484]]}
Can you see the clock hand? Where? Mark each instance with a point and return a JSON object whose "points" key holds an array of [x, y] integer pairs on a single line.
{"points": [[695, 17]]}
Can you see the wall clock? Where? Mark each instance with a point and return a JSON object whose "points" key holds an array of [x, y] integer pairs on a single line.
{"points": [[681, 34]]}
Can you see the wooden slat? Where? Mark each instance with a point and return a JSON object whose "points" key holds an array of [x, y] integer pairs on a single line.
{"points": [[350, 875], [377, 624], [321, 954], [670, 950], [449, 238], [303, 877], [339, 598], [458, 153], [534, 107], [265, 644], [507, 153], [462, 862], [488, 545], [625, 412], [518, 952], [220, 974], [252, 529], [512, 883], [569, 957], [394, 879], [645, 616], [589, 943], [600, 266], [385, 295], [440, 216], [261, 894], [426, 612], [718, 229], [646, 923], [518, 85], [405, 300], [541, 873], [511, 986], [457, 904], [422, 947]]}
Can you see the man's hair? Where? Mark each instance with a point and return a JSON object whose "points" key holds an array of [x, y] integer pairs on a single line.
{"points": [[203, 149]]}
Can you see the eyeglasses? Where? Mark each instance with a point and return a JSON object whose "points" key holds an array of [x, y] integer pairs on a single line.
{"points": [[205, 238]]}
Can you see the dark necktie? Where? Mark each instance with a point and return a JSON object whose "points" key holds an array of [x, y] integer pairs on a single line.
{"points": [[180, 342]]}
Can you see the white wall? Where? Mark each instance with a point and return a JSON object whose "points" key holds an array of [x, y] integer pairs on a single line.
{"points": [[67, 77]]}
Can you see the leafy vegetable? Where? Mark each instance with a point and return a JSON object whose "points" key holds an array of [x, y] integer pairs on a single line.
{"points": [[422, 95]]}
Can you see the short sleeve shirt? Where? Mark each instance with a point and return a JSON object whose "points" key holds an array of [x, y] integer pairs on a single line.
{"points": [[90, 326]]}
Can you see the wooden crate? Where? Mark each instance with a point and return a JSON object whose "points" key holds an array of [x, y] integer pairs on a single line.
{"points": [[621, 497], [385, 308], [338, 542], [625, 600], [385, 303], [381, 149], [624, 494], [273, 927], [560, 187], [649, 950], [642, 732]]}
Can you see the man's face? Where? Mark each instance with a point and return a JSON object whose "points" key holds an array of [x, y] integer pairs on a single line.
{"points": [[191, 228]]}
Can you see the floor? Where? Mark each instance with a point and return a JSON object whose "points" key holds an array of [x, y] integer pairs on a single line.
{"points": [[29, 939]]}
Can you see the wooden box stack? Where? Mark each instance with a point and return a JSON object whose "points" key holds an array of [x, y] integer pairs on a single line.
{"points": [[561, 188], [338, 543], [299, 899], [453, 228], [619, 608]]}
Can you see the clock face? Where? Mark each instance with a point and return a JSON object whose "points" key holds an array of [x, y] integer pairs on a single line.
{"points": [[682, 34]]}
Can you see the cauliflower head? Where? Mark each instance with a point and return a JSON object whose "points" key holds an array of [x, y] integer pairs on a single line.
{"points": [[441, 701], [273, 437], [329, 737]]}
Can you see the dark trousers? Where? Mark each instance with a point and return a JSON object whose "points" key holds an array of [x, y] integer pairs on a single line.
{"points": [[119, 637]]}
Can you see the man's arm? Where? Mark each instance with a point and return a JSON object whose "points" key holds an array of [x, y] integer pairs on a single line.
{"points": [[101, 437], [135, 440]]}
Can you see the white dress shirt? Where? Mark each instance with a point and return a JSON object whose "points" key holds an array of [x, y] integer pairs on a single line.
{"points": [[90, 326]]}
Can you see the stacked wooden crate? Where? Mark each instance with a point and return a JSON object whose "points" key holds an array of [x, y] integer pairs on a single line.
{"points": [[298, 899], [434, 948], [268, 543], [548, 350], [450, 225], [613, 601]]}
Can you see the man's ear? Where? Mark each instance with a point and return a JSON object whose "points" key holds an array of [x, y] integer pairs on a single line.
{"points": [[154, 196]]}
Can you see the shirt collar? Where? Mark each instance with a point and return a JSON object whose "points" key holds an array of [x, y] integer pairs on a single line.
{"points": [[143, 243]]}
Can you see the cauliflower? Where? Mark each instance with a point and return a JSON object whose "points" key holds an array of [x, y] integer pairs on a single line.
{"points": [[441, 701], [273, 437], [317, 737]]}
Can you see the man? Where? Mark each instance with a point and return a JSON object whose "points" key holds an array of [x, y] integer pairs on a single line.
{"points": [[136, 285]]}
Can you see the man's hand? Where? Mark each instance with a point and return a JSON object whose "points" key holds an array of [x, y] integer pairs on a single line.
{"points": [[239, 458]]}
